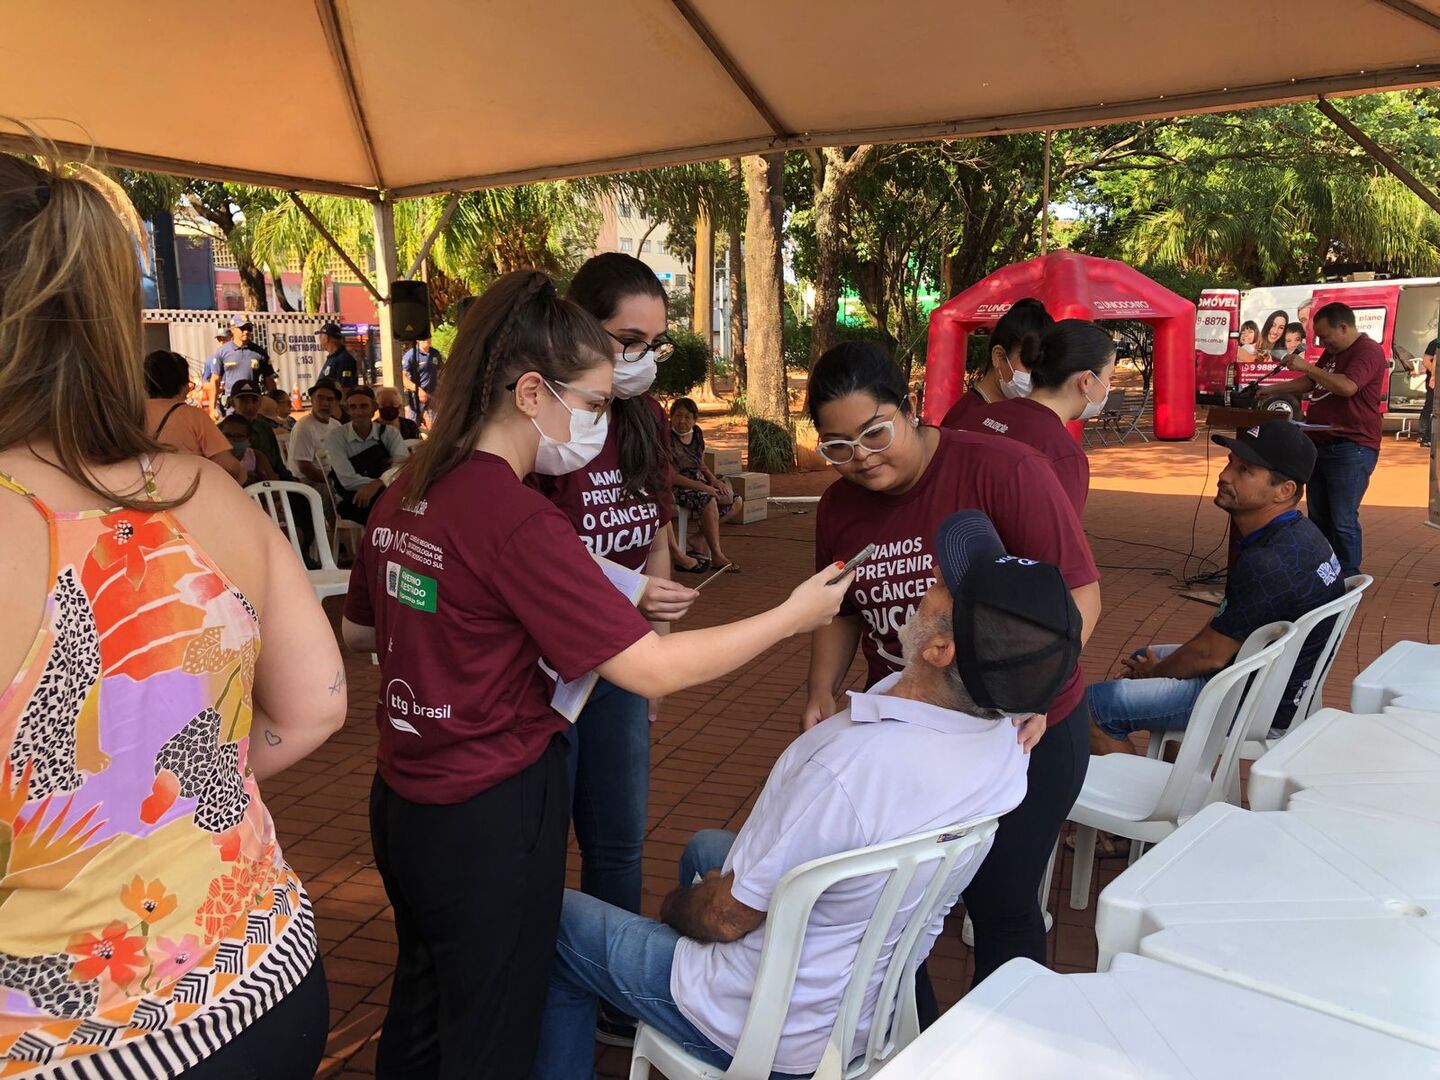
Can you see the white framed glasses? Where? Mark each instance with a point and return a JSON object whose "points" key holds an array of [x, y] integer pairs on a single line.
{"points": [[875, 438]]}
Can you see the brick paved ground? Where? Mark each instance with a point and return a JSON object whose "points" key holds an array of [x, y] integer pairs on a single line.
{"points": [[714, 745]]}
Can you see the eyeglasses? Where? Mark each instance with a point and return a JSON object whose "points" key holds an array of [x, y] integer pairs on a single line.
{"points": [[874, 439], [597, 407], [632, 349]]}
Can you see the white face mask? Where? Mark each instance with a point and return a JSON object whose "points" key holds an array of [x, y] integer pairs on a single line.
{"points": [[556, 458], [634, 377], [1016, 387], [1093, 408]]}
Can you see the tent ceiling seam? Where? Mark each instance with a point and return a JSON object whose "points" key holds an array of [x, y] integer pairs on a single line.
{"points": [[1414, 11], [732, 69], [330, 24]]}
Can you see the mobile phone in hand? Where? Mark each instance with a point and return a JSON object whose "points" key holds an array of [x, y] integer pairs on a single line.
{"points": [[866, 553]]}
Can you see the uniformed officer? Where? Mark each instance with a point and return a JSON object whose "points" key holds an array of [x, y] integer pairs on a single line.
{"points": [[421, 366], [236, 360], [340, 364]]}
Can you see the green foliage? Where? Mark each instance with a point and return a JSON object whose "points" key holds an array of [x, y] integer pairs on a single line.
{"points": [[771, 447], [686, 367], [797, 339], [442, 337]]}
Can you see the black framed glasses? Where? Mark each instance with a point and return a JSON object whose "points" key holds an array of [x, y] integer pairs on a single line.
{"points": [[632, 349]]}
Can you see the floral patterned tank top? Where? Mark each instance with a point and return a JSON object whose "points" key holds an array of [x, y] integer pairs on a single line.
{"points": [[146, 914]]}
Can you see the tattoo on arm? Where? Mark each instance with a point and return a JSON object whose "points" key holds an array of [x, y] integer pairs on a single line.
{"points": [[338, 685]]}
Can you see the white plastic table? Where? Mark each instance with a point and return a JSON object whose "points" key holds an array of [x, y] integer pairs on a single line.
{"points": [[1143, 1020], [1336, 909], [1335, 748], [1407, 667]]}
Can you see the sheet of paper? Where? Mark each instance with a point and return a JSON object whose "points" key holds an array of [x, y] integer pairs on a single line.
{"points": [[570, 697]]}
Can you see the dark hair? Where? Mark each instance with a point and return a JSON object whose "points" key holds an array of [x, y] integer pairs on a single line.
{"points": [[1071, 345], [233, 418], [1020, 328], [600, 286], [1276, 479], [167, 374], [687, 404], [278, 395], [360, 391], [1295, 328], [1250, 324], [517, 325], [1336, 314], [855, 367], [1284, 318]]}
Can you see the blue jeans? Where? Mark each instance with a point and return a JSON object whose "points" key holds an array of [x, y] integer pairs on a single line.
{"points": [[1120, 706], [610, 782], [606, 952], [1342, 473]]}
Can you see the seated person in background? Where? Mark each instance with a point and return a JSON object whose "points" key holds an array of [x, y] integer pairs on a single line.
{"points": [[245, 400], [697, 489], [1284, 568], [924, 748], [178, 426], [237, 430], [306, 453], [391, 408], [358, 453], [275, 410]]}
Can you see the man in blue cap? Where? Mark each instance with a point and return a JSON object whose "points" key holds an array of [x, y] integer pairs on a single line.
{"points": [[237, 360], [340, 365]]}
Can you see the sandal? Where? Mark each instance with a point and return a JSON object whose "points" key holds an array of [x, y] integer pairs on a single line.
{"points": [[730, 565], [701, 565]]}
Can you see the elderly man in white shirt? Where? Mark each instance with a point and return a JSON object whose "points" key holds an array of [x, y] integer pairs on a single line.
{"points": [[932, 746], [359, 454]]}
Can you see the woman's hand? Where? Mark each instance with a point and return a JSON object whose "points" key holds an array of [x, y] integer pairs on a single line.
{"points": [[818, 707], [1030, 729], [814, 602], [665, 600]]}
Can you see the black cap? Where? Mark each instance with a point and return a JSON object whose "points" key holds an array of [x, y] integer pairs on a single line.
{"points": [[327, 384], [244, 388], [1275, 444], [1017, 630], [331, 329]]}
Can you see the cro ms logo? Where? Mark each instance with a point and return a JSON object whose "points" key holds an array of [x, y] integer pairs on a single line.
{"points": [[382, 538]]}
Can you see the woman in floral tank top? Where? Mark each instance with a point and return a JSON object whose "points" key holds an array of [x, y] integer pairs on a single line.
{"points": [[149, 924]]}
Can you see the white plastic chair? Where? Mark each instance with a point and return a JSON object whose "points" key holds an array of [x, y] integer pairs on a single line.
{"points": [[273, 497], [682, 526], [895, 1023], [1144, 799], [1312, 696]]}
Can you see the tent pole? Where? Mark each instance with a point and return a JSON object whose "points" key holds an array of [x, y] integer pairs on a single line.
{"points": [[443, 220], [1045, 202], [384, 211], [1378, 152], [335, 246]]}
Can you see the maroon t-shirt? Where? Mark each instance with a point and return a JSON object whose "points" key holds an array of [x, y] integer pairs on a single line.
{"points": [[467, 592], [1036, 426], [1356, 418], [613, 522], [1011, 483], [969, 401]]}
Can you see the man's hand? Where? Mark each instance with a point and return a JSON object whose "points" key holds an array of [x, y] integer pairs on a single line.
{"points": [[817, 708], [708, 912], [423, 395], [1141, 665], [1029, 730], [1296, 361], [366, 495]]}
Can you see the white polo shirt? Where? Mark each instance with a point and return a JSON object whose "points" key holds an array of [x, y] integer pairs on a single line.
{"points": [[883, 769]]}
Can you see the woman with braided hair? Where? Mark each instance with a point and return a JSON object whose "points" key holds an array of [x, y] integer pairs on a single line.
{"points": [[465, 580]]}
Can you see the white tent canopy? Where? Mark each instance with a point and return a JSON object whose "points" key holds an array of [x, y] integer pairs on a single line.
{"points": [[359, 96]]}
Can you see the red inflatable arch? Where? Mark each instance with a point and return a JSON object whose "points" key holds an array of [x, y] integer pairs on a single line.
{"points": [[1072, 287]]}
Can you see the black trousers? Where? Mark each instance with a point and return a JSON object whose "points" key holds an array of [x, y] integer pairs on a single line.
{"points": [[287, 1043], [1002, 899], [476, 887]]}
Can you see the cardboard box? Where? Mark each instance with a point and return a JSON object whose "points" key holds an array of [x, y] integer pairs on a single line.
{"points": [[721, 462], [754, 510], [750, 486]]}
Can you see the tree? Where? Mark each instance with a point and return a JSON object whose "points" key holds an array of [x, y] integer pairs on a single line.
{"points": [[834, 173], [235, 209], [737, 294], [771, 446]]}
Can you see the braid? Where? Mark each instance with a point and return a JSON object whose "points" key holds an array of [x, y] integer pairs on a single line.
{"points": [[499, 344]]}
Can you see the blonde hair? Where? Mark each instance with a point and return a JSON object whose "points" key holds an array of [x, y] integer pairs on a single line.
{"points": [[71, 370]]}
